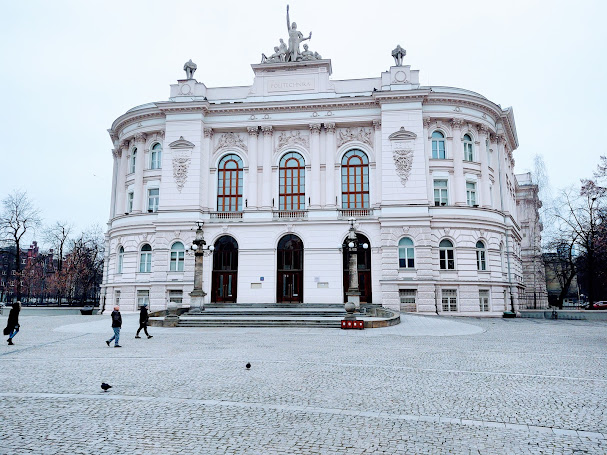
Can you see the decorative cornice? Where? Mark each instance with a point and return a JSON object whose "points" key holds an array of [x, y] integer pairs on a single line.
{"points": [[230, 140], [181, 143], [402, 135], [314, 128], [330, 127], [208, 132], [377, 125]]}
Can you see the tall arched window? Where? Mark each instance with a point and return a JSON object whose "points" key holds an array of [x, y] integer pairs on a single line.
{"points": [[156, 157], [177, 257], [481, 262], [446, 255], [406, 253], [468, 151], [355, 180], [438, 145], [229, 184], [120, 259], [145, 259], [292, 191], [133, 161]]}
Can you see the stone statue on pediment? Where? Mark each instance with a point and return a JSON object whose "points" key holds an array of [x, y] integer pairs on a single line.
{"points": [[307, 54], [295, 39], [283, 49], [274, 58], [398, 53], [189, 67]]}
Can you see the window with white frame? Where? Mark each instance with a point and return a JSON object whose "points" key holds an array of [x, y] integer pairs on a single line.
{"points": [[438, 145], [177, 257], [449, 299], [145, 259], [406, 253], [471, 194], [120, 259], [156, 156], [176, 297], [153, 197], [441, 197], [133, 161], [468, 150], [481, 261], [143, 297], [129, 201], [407, 300], [483, 299], [117, 298], [446, 255]]}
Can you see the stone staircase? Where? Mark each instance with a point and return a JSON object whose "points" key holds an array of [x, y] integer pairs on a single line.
{"points": [[277, 315]]}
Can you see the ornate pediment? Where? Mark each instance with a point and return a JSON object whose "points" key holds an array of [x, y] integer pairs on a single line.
{"points": [[181, 143], [402, 135]]}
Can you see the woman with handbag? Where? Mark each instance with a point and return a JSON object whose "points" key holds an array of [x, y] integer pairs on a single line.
{"points": [[12, 325]]}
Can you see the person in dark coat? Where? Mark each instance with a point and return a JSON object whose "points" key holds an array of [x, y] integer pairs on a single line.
{"points": [[143, 321], [12, 325], [116, 324]]}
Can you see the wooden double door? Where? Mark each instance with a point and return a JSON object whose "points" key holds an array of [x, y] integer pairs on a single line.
{"points": [[225, 270], [289, 280]]}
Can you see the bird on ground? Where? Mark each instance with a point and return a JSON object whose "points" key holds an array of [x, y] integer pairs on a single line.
{"points": [[248, 365], [105, 386]]}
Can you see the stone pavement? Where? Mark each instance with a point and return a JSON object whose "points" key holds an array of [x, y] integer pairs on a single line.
{"points": [[429, 385]]}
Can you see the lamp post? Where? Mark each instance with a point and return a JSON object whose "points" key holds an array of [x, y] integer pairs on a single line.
{"points": [[198, 246], [353, 292]]}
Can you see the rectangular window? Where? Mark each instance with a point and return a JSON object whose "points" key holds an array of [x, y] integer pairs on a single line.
{"points": [[440, 192], [153, 196], [407, 300], [438, 149], [468, 155], [143, 297], [449, 299], [129, 202], [471, 193], [176, 297], [483, 299], [132, 163]]}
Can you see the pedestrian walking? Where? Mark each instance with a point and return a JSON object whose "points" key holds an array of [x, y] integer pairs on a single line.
{"points": [[12, 325], [143, 321], [116, 324]]}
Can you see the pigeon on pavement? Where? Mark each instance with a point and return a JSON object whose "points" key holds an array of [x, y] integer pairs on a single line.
{"points": [[105, 386], [248, 365]]}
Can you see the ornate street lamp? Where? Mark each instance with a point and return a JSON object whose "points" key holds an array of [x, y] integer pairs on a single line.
{"points": [[353, 292], [198, 246]]}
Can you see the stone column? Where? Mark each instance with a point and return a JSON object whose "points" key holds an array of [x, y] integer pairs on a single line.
{"points": [[212, 177], [121, 180], [330, 164], [502, 155], [116, 154], [252, 186], [459, 183], [139, 197], [375, 197], [205, 162], [427, 155], [483, 152], [315, 165], [266, 199]]}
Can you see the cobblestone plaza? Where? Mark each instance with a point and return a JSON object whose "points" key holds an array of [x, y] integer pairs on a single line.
{"points": [[429, 385]]}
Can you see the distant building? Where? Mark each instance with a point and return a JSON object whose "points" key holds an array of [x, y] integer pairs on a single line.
{"points": [[34, 268], [534, 275]]}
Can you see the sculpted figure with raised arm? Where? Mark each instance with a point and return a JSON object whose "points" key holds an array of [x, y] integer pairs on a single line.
{"points": [[295, 39]]}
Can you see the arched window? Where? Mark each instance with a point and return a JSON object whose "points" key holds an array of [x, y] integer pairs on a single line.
{"points": [[292, 192], [229, 184], [406, 253], [145, 259], [446, 255], [133, 161], [156, 157], [438, 145], [355, 180], [481, 262], [120, 259], [468, 151], [177, 257]]}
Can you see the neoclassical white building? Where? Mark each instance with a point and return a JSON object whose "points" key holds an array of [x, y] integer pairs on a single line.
{"points": [[276, 169]]}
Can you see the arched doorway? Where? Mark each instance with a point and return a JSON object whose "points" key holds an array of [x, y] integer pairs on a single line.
{"points": [[364, 269], [225, 270], [289, 280]]}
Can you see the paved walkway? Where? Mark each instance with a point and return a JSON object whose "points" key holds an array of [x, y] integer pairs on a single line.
{"points": [[429, 385]]}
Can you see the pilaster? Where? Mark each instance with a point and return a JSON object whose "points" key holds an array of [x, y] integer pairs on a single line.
{"points": [[483, 151], [458, 164], [330, 164], [205, 164], [427, 155], [376, 194], [315, 165], [266, 200], [138, 197], [252, 186]]}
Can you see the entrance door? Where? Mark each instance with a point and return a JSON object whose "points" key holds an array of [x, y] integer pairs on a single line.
{"points": [[364, 269], [289, 281], [225, 270]]}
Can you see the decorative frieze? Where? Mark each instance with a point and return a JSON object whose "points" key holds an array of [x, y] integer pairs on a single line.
{"points": [[292, 138], [230, 140], [364, 135]]}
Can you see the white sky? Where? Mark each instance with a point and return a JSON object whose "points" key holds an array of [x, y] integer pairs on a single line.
{"points": [[69, 68]]}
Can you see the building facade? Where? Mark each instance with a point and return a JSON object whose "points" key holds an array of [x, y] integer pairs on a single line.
{"points": [[276, 170]]}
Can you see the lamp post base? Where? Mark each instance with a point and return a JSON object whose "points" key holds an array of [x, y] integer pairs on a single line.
{"points": [[196, 301]]}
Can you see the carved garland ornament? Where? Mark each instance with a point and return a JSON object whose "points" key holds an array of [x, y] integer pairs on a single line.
{"points": [[181, 164], [364, 135], [230, 140], [292, 138], [402, 152]]}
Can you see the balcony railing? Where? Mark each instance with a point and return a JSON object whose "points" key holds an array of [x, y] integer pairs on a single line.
{"points": [[355, 213], [290, 214], [217, 216]]}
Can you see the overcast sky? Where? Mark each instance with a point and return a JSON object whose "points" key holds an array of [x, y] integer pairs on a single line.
{"points": [[69, 68]]}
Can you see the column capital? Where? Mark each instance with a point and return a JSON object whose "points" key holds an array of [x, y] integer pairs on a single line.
{"points": [[482, 129], [267, 130], [377, 124], [330, 127], [457, 123], [161, 134], [427, 121], [124, 145], [208, 132], [252, 130], [314, 128], [140, 137], [117, 152]]}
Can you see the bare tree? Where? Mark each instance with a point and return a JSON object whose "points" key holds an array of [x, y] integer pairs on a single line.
{"points": [[58, 236], [17, 218]]}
